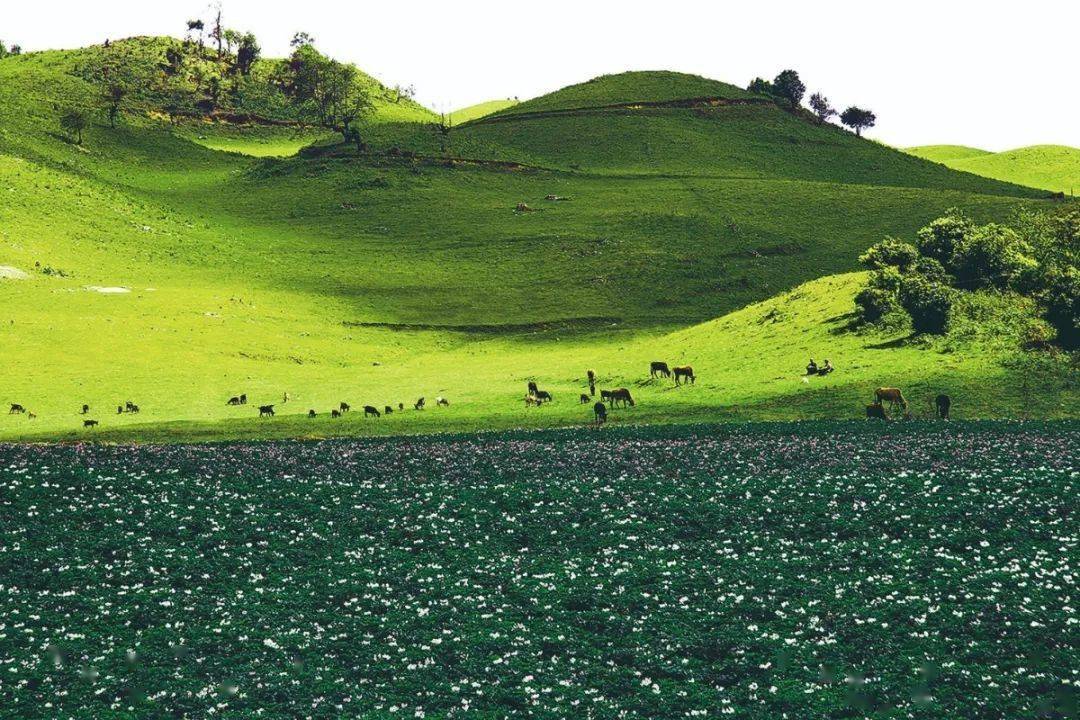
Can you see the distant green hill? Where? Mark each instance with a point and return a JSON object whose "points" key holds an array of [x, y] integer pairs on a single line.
{"points": [[630, 88], [1050, 167], [148, 265], [479, 110]]}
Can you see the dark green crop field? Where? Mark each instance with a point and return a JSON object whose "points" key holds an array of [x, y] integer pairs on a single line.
{"points": [[924, 570]]}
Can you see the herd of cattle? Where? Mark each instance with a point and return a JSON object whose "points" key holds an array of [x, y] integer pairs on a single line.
{"points": [[535, 397]]}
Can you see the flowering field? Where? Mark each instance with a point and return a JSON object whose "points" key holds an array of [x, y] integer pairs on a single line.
{"points": [[773, 571]]}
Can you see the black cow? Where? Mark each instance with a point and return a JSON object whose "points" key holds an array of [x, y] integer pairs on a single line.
{"points": [[943, 404], [600, 413], [370, 411], [266, 411], [583, 399]]}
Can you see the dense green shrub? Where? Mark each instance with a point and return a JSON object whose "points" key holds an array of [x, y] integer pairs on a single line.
{"points": [[927, 302], [888, 279], [930, 269], [875, 303], [890, 252], [1063, 307], [939, 239], [991, 256]]}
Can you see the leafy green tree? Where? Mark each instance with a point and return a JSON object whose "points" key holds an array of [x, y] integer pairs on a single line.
{"points": [[875, 303], [858, 119], [788, 86], [821, 107], [928, 303], [890, 252], [74, 122], [939, 239], [991, 256], [355, 105], [761, 86], [930, 269], [247, 53], [1062, 304]]}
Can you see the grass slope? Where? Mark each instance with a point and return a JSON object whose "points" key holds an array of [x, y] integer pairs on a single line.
{"points": [[1049, 167], [375, 280], [473, 112]]}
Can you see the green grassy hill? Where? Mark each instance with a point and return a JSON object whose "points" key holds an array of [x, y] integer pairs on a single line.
{"points": [[1049, 167], [474, 112], [630, 88], [149, 265]]}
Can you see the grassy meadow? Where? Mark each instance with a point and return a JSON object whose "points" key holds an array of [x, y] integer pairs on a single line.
{"points": [[178, 265]]}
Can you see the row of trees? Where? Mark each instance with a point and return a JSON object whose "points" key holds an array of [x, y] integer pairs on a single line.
{"points": [[1036, 257], [789, 89]]}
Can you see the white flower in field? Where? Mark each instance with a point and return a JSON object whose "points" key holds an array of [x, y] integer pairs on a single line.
{"points": [[269, 642]]}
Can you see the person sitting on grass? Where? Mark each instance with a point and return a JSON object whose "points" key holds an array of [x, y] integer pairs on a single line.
{"points": [[826, 368], [811, 369]]}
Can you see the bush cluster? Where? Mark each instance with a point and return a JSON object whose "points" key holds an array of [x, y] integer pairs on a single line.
{"points": [[1036, 256]]}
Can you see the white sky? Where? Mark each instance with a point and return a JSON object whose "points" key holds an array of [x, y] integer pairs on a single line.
{"points": [[991, 74]]}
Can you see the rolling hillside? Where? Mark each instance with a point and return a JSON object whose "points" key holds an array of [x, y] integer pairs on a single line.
{"points": [[1050, 167], [162, 264]]}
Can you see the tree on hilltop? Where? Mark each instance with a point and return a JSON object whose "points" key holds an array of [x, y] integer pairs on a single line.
{"points": [[821, 107], [858, 119], [788, 86], [247, 52], [760, 86]]}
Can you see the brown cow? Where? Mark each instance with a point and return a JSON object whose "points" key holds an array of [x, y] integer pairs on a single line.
{"points": [[621, 395], [686, 372], [892, 395]]}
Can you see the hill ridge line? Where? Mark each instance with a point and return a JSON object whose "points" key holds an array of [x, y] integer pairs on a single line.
{"points": [[688, 103]]}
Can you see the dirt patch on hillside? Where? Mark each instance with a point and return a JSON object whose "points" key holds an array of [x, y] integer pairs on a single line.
{"points": [[7, 272], [108, 290]]}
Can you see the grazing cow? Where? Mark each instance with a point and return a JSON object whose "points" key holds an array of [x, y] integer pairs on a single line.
{"points": [[370, 411], [657, 367], [119, 409], [89, 423], [876, 411], [419, 405], [335, 413], [311, 413], [543, 396], [266, 411], [600, 413], [16, 409], [583, 399], [387, 410], [893, 395], [442, 401], [943, 404], [532, 387], [686, 372], [621, 395], [85, 409], [344, 407], [235, 400], [132, 408], [243, 399]]}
